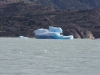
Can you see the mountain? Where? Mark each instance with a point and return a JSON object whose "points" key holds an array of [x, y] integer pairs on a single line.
{"points": [[62, 4], [22, 19]]}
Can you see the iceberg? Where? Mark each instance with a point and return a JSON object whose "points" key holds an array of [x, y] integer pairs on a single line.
{"points": [[51, 33]]}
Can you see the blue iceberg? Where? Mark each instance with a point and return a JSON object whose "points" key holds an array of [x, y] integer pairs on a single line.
{"points": [[51, 33]]}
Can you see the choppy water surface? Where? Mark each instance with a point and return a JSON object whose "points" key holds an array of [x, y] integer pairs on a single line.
{"points": [[49, 57]]}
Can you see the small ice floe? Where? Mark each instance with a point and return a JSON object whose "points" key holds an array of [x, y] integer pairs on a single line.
{"points": [[22, 37]]}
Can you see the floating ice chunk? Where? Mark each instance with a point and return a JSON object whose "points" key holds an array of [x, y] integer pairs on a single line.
{"points": [[51, 33], [22, 37]]}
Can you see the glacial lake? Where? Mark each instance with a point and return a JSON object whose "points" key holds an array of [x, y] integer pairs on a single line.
{"points": [[49, 57]]}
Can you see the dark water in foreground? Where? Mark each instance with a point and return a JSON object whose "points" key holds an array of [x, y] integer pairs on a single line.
{"points": [[49, 57]]}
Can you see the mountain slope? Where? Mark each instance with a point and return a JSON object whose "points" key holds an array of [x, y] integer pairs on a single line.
{"points": [[22, 19], [63, 4]]}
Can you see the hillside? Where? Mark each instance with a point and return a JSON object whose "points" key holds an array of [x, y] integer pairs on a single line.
{"points": [[62, 4], [22, 19]]}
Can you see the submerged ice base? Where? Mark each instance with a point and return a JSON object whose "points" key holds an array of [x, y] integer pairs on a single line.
{"points": [[51, 33]]}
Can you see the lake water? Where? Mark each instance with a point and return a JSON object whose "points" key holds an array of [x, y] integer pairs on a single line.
{"points": [[49, 57]]}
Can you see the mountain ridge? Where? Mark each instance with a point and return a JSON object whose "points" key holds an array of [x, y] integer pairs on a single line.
{"points": [[62, 4]]}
